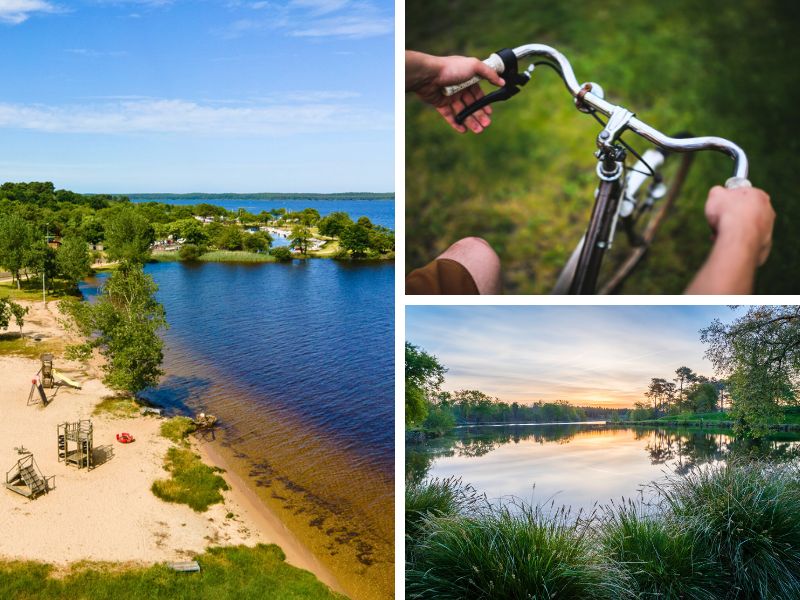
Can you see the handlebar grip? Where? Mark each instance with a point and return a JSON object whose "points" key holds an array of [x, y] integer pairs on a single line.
{"points": [[493, 62], [737, 182]]}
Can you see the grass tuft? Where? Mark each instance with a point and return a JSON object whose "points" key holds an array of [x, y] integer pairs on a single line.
{"points": [[192, 482], [123, 407], [177, 428]]}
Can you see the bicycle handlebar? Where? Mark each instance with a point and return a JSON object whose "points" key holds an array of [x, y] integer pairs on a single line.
{"points": [[584, 96]]}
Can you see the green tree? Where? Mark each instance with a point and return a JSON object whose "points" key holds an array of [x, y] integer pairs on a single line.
{"points": [[127, 319], [282, 253], [39, 258], [381, 239], [257, 242], [73, 260], [424, 375], [128, 236], [10, 309], [703, 397], [301, 238], [334, 224], [355, 239], [229, 238], [759, 353], [684, 375], [16, 237], [189, 252]]}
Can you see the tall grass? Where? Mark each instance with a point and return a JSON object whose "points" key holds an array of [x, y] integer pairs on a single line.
{"points": [[503, 554], [747, 516], [728, 532]]}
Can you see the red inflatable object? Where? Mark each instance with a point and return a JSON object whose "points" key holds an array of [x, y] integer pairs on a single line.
{"points": [[124, 438]]}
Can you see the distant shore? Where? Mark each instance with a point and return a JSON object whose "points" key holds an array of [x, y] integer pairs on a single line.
{"points": [[265, 196]]}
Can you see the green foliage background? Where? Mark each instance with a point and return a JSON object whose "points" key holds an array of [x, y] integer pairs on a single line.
{"points": [[713, 68]]}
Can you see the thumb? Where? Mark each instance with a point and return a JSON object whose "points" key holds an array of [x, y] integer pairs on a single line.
{"points": [[488, 73]]}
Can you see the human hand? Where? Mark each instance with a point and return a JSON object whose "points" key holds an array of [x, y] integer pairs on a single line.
{"points": [[426, 75], [744, 216]]}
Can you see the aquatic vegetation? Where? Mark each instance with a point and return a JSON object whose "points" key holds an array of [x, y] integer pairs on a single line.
{"points": [[747, 515], [659, 558], [725, 532], [500, 553], [437, 497]]}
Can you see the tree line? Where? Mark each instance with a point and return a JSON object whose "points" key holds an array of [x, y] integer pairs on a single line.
{"points": [[435, 410], [35, 216], [686, 392]]}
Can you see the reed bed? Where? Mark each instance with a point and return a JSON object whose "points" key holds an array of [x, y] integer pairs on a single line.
{"points": [[725, 532]]}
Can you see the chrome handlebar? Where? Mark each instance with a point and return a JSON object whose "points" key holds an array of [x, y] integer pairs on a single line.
{"points": [[584, 96]]}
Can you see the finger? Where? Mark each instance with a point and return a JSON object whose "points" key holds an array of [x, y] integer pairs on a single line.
{"points": [[478, 93], [447, 113], [471, 122], [488, 73], [480, 115]]}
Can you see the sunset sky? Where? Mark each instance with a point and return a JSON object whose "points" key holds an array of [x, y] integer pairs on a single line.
{"points": [[587, 355]]}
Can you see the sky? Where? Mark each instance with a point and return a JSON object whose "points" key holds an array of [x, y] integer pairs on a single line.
{"points": [[198, 95], [586, 355]]}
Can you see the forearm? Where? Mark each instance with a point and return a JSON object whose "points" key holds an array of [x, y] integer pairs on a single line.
{"points": [[421, 69], [729, 269]]}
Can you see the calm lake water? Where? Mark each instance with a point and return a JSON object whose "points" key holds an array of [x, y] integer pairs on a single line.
{"points": [[380, 212], [577, 465], [297, 362]]}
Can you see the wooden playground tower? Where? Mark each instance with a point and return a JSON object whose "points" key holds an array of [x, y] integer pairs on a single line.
{"points": [[75, 444]]}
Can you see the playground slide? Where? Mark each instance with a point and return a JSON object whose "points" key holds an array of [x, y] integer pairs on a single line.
{"points": [[65, 379]]}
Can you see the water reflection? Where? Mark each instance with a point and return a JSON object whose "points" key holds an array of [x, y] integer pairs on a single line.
{"points": [[581, 464]]}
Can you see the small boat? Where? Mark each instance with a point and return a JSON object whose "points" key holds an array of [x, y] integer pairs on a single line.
{"points": [[204, 421]]}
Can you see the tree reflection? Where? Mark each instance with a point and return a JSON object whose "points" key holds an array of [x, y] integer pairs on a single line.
{"points": [[679, 450]]}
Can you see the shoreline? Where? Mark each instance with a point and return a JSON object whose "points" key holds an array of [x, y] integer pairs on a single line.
{"points": [[297, 554], [129, 524]]}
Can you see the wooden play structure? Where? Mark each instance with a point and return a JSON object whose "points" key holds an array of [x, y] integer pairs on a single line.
{"points": [[46, 371], [75, 444], [26, 479]]}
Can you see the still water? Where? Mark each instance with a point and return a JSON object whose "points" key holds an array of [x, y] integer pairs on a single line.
{"points": [[297, 362], [577, 465], [380, 212]]}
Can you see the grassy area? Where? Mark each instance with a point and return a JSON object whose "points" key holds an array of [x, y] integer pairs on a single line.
{"points": [[192, 482], [177, 428], [13, 345], [730, 532], [121, 407], [239, 256], [526, 184], [32, 290], [259, 573]]}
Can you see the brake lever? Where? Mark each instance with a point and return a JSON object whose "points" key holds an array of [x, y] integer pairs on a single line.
{"points": [[514, 82]]}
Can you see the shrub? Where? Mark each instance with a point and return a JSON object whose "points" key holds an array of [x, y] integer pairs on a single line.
{"points": [[281, 253], [177, 428], [189, 252]]}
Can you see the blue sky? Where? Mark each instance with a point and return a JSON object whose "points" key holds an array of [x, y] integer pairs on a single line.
{"points": [[588, 355], [198, 95]]}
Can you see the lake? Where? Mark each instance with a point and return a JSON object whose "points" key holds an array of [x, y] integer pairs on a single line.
{"points": [[297, 361], [577, 465], [380, 212]]}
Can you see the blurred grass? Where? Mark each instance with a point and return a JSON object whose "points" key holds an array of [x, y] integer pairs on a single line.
{"points": [[526, 184]]}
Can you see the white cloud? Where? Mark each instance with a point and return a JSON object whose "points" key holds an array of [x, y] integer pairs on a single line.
{"points": [[312, 18], [186, 117], [89, 52], [18, 11]]}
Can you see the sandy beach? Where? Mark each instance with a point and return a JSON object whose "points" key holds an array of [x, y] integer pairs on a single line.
{"points": [[109, 513]]}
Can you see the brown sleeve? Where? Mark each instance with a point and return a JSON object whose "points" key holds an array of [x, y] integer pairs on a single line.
{"points": [[441, 276]]}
